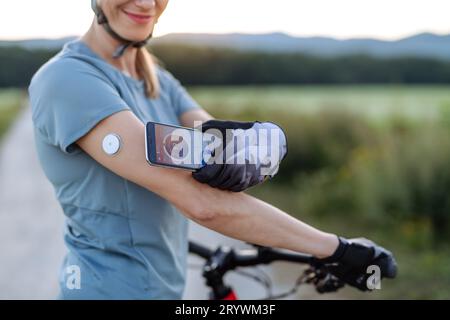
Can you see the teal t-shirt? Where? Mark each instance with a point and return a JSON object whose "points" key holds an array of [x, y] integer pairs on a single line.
{"points": [[124, 242]]}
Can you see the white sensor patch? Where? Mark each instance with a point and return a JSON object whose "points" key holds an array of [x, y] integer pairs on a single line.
{"points": [[111, 144]]}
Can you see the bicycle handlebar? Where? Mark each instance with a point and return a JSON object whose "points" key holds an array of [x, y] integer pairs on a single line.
{"points": [[200, 250], [251, 257]]}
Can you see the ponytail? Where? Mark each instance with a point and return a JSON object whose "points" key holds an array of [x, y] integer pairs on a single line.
{"points": [[146, 65]]}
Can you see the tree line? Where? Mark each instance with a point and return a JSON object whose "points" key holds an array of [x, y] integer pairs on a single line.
{"points": [[194, 65]]}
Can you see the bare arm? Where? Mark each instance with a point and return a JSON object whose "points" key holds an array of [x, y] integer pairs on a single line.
{"points": [[237, 215]]}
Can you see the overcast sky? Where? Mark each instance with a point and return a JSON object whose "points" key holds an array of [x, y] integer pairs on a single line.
{"points": [[383, 19]]}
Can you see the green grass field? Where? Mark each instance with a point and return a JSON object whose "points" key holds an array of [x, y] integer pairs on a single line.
{"points": [[417, 102], [11, 101]]}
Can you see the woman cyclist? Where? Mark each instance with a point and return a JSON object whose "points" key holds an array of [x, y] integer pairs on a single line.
{"points": [[126, 221]]}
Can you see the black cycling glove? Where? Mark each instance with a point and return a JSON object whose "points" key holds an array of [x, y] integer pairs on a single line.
{"points": [[248, 154], [352, 258]]}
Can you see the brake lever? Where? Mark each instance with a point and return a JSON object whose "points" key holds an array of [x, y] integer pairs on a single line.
{"points": [[322, 279]]}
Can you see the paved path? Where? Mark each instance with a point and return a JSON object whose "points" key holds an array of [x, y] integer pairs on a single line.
{"points": [[31, 245]]}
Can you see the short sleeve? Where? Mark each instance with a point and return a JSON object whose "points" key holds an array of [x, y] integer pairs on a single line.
{"points": [[68, 98], [181, 100]]}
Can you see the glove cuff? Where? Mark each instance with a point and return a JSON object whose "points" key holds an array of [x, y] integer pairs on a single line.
{"points": [[338, 253]]}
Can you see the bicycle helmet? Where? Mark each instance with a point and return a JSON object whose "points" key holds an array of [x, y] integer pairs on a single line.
{"points": [[103, 20]]}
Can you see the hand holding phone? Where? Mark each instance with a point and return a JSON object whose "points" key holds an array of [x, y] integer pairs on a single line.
{"points": [[228, 155]]}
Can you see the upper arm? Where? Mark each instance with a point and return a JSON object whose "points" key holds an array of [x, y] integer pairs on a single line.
{"points": [[176, 186]]}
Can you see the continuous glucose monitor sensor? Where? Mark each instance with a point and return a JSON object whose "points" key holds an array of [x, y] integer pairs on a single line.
{"points": [[111, 144]]}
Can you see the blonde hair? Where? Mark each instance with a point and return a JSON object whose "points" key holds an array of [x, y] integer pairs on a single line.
{"points": [[146, 64]]}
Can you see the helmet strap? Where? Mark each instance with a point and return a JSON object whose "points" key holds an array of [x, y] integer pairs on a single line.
{"points": [[103, 20]]}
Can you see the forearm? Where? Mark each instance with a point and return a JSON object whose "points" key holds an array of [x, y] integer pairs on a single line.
{"points": [[239, 215], [247, 218]]}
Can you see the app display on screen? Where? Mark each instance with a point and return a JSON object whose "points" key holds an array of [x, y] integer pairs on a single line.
{"points": [[178, 146]]}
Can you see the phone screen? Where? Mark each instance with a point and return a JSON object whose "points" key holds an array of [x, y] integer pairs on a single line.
{"points": [[174, 146]]}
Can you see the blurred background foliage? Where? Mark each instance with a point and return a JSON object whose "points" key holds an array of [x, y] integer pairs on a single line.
{"points": [[366, 160], [385, 177]]}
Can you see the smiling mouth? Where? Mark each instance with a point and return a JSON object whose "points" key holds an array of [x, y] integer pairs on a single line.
{"points": [[139, 18]]}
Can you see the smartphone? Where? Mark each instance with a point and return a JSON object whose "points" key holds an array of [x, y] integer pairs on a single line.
{"points": [[174, 146]]}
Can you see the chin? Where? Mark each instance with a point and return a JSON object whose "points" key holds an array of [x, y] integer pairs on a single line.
{"points": [[137, 35], [133, 32]]}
